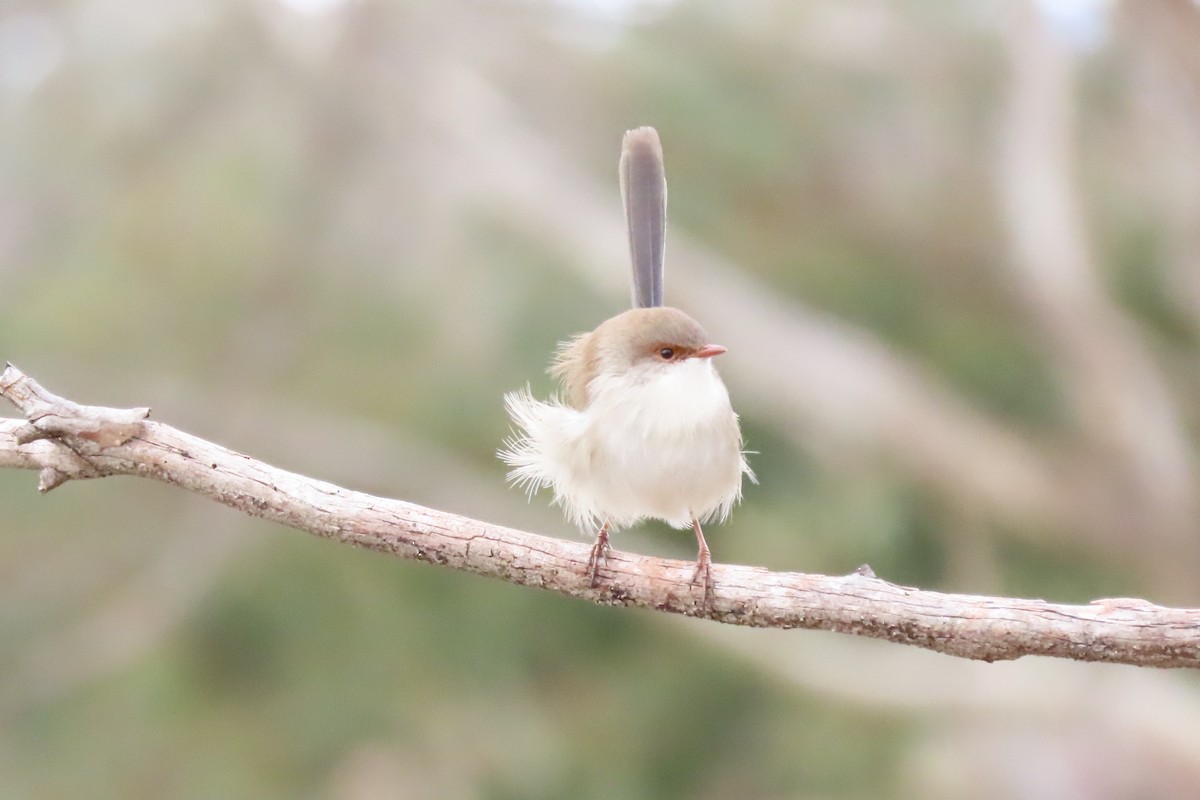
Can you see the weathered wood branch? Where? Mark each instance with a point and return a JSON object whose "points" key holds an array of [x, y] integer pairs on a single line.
{"points": [[65, 441]]}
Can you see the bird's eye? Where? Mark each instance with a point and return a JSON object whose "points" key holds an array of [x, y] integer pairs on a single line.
{"points": [[666, 353]]}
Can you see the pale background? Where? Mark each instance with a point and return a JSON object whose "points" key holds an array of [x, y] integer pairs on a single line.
{"points": [[953, 247]]}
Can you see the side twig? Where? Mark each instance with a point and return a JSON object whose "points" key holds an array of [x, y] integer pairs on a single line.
{"points": [[64, 441]]}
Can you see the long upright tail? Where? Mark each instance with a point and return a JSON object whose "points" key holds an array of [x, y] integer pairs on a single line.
{"points": [[644, 195]]}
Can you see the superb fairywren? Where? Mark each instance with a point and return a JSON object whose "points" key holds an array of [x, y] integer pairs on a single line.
{"points": [[644, 427]]}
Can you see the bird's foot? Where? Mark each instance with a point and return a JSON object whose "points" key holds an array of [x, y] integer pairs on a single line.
{"points": [[703, 576], [599, 553], [703, 573]]}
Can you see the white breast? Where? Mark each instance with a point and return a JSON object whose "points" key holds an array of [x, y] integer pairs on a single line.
{"points": [[666, 447]]}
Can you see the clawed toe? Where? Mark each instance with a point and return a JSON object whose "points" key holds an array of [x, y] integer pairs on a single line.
{"points": [[703, 573], [703, 576], [598, 553]]}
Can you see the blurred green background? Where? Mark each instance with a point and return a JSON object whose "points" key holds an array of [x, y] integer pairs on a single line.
{"points": [[954, 251]]}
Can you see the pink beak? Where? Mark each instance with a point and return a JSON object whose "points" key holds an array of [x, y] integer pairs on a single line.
{"points": [[708, 351]]}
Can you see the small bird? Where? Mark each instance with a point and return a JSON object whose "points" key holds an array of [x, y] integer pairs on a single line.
{"points": [[643, 427]]}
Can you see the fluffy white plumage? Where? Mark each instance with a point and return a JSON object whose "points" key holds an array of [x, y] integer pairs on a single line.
{"points": [[658, 442]]}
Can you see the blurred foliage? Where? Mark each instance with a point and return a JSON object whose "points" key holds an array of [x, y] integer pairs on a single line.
{"points": [[279, 225]]}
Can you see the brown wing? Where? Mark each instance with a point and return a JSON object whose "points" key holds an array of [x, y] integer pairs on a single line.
{"points": [[574, 367]]}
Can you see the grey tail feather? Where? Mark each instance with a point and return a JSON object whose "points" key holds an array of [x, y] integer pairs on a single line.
{"points": [[644, 195]]}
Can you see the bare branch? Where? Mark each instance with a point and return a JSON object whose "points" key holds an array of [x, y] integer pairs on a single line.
{"points": [[88, 441]]}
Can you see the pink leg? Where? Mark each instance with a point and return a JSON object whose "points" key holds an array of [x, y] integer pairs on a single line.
{"points": [[599, 553], [703, 573]]}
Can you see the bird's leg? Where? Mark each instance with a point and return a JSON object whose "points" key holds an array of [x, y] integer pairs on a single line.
{"points": [[703, 573], [599, 553]]}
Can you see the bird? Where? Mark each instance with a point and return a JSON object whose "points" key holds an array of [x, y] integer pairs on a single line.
{"points": [[643, 427]]}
